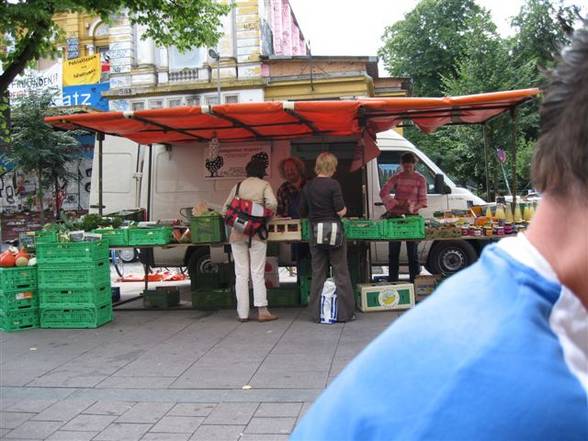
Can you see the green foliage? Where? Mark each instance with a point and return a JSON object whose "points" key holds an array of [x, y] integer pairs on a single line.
{"points": [[36, 148], [452, 48]]}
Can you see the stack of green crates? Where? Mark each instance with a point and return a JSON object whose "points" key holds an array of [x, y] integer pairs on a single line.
{"points": [[19, 304], [74, 284]]}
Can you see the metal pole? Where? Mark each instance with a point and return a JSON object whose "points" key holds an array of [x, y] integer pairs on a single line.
{"points": [[513, 115], [100, 137], [149, 182], [218, 88], [486, 160]]}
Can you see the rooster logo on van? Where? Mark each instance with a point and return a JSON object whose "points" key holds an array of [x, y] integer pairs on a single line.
{"points": [[228, 161]]}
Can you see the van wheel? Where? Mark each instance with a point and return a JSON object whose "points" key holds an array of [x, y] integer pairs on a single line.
{"points": [[451, 256], [203, 272]]}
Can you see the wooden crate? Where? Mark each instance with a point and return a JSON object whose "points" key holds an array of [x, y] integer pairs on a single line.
{"points": [[283, 230]]}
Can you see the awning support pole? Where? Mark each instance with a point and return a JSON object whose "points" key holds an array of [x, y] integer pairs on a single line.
{"points": [[100, 137], [486, 160], [149, 182], [513, 115]]}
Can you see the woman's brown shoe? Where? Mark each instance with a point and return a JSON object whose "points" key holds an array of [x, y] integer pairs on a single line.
{"points": [[268, 317]]}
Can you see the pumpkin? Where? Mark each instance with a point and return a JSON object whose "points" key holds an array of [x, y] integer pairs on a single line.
{"points": [[7, 259]]}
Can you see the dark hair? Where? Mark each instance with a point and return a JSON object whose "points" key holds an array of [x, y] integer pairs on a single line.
{"points": [[294, 160], [560, 162], [408, 158], [255, 168]]}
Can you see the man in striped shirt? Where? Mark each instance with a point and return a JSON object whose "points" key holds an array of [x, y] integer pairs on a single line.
{"points": [[410, 195]]}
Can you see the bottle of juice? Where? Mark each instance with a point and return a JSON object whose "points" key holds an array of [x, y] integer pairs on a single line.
{"points": [[488, 214], [500, 214], [527, 212], [508, 217], [518, 217]]}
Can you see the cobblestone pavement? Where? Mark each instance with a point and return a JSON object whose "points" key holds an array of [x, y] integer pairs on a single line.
{"points": [[173, 375]]}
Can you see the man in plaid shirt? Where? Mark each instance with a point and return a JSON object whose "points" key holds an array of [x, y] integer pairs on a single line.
{"points": [[410, 195]]}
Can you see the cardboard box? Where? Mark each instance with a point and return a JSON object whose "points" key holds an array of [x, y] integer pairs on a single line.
{"points": [[272, 275], [385, 296], [425, 285]]}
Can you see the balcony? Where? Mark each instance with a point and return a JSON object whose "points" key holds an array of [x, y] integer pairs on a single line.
{"points": [[184, 75]]}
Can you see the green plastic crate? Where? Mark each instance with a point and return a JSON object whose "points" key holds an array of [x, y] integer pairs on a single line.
{"points": [[20, 277], [283, 296], [19, 320], [304, 289], [362, 228], [208, 299], [73, 316], [45, 236], [72, 252], [305, 229], [410, 227], [74, 275], [18, 300], [75, 296], [207, 229], [150, 236], [114, 237], [161, 297]]}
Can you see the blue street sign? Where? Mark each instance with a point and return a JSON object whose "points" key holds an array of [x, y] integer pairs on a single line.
{"points": [[86, 95]]}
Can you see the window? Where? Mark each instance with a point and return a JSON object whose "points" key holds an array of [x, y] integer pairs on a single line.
{"points": [[389, 163], [231, 99], [192, 100], [155, 104], [175, 102], [139, 105], [212, 100], [187, 60]]}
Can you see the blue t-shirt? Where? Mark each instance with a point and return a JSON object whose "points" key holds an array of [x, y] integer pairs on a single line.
{"points": [[477, 361]]}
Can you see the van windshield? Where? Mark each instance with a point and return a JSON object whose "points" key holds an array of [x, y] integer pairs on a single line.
{"points": [[389, 163]]}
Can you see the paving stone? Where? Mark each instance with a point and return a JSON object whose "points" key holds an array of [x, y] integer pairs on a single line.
{"points": [[109, 408], [278, 379], [136, 382], [145, 413], [177, 424], [5, 404], [34, 430], [281, 426], [192, 409], [35, 406], [166, 437], [279, 410], [89, 423], [232, 413], [67, 379], [123, 432], [305, 408], [218, 433], [11, 420], [63, 410], [70, 435], [260, 437]]}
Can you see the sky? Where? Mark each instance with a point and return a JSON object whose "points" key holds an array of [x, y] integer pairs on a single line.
{"points": [[355, 27]]}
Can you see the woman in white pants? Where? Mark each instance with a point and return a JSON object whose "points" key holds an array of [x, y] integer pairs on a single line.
{"points": [[249, 254]]}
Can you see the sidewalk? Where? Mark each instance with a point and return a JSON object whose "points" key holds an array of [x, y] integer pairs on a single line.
{"points": [[173, 375]]}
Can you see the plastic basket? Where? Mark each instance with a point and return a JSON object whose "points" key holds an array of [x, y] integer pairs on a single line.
{"points": [[80, 275], [18, 300], [207, 229], [75, 296], [362, 228], [72, 316], [74, 252], [280, 297], [150, 236], [19, 320], [410, 227], [114, 237], [208, 299], [20, 277], [305, 229], [44, 236], [304, 289]]}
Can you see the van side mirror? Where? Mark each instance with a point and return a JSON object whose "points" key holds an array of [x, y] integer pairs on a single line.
{"points": [[440, 186]]}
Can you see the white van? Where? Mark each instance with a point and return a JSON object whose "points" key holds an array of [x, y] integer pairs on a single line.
{"points": [[178, 180]]}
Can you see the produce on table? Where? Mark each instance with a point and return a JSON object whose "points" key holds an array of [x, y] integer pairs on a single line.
{"points": [[7, 259], [22, 258]]}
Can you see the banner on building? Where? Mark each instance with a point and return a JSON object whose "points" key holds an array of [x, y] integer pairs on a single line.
{"points": [[83, 70], [228, 161], [86, 95], [36, 81]]}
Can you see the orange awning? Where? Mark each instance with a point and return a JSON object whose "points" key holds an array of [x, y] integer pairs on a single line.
{"points": [[287, 120]]}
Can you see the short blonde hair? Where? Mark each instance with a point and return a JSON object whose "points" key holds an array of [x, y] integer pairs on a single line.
{"points": [[326, 164]]}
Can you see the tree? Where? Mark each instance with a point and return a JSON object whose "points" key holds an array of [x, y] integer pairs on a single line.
{"points": [[427, 42], [28, 33], [38, 149]]}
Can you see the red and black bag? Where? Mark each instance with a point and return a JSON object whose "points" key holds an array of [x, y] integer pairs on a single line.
{"points": [[247, 217]]}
